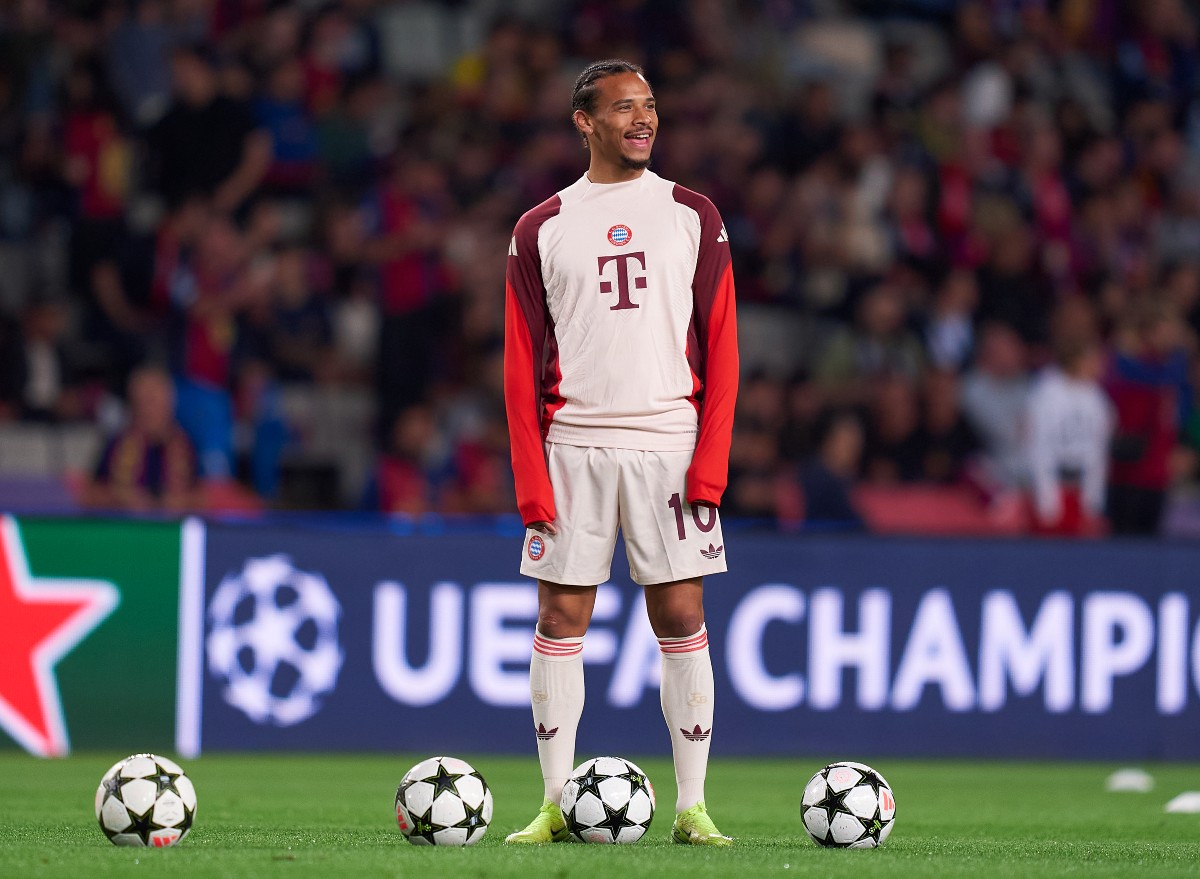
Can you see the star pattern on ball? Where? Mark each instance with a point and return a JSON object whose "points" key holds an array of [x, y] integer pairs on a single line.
{"points": [[637, 781], [443, 780], [142, 825], [474, 773], [835, 802], [590, 781], [166, 780], [425, 827], [473, 820], [112, 786], [615, 820]]}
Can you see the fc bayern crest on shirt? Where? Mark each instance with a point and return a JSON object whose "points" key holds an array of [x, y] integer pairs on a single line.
{"points": [[620, 235], [537, 547]]}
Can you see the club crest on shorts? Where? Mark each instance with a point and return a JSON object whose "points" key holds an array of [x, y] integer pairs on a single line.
{"points": [[620, 235], [537, 547]]}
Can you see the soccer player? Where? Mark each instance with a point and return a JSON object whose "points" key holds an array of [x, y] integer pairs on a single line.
{"points": [[620, 376]]}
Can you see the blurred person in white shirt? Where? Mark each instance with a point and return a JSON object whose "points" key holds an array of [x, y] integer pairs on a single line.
{"points": [[994, 398], [1070, 426]]}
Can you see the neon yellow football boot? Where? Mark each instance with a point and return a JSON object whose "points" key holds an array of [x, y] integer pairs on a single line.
{"points": [[548, 826], [694, 827]]}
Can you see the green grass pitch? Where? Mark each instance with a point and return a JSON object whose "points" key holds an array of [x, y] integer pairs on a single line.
{"points": [[331, 816]]}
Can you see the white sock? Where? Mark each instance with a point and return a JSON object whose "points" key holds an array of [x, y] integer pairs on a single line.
{"points": [[556, 691], [687, 703]]}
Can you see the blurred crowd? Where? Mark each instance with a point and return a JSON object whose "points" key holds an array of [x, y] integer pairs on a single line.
{"points": [[966, 235]]}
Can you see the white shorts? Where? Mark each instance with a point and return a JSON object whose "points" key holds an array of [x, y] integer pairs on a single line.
{"points": [[643, 493]]}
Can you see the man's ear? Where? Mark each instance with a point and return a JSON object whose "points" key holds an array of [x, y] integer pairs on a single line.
{"points": [[583, 123]]}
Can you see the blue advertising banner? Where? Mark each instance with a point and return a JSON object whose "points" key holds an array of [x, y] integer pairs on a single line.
{"points": [[323, 639]]}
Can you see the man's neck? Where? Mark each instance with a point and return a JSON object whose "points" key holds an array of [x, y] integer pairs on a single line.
{"points": [[608, 174]]}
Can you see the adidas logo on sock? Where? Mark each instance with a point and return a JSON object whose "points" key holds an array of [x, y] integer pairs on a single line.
{"points": [[546, 734], [697, 734]]}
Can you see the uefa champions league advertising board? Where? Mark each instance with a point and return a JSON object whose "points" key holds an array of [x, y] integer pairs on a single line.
{"points": [[361, 640], [198, 636]]}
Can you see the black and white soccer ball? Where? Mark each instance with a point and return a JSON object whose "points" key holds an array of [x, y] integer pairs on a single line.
{"points": [[608, 799], [273, 640], [145, 800], [848, 805], [443, 801]]}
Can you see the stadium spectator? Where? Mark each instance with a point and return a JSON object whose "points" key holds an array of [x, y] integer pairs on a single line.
{"points": [[1149, 384], [150, 464], [405, 218], [138, 59], [950, 325], [46, 374], [878, 346], [1070, 428], [826, 479], [411, 471], [280, 110], [209, 293], [945, 434], [755, 466], [97, 165], [206, 143], [894, 451], [298, 329], [995, 392]]}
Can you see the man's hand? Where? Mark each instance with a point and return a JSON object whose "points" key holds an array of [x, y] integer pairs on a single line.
{"points": [[544, 527]]}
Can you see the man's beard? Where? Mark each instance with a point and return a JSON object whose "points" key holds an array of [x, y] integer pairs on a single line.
{"points": [[634, 164]]}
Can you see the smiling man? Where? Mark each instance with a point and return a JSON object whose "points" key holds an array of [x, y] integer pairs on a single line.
{"points": [[620, 377]]}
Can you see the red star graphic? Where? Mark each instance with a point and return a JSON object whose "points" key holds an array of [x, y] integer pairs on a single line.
{"points": [[40, 621]]}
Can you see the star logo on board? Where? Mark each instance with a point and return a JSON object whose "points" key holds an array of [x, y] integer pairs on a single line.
{"points": [[41, 621]]}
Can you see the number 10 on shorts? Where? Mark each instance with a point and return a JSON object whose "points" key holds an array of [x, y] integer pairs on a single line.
{"points": [[676, 504]]}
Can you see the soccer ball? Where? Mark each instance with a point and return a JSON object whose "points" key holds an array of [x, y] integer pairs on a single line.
{"points": [[848, 805], [443, 801], [145, 800], [273, 640], [608, 799]]}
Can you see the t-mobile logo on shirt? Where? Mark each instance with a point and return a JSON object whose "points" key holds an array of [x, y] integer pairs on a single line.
{"points": [[624, 272]]}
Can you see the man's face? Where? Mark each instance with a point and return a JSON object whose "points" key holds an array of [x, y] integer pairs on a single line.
{"points": [[194, 80], [621, 132]]}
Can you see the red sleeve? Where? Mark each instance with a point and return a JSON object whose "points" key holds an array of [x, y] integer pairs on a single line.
{"points": [[712, 353], [526, 324]]}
